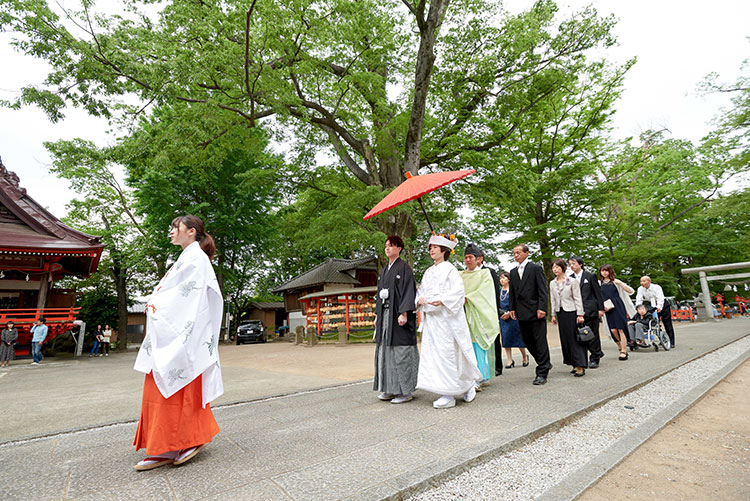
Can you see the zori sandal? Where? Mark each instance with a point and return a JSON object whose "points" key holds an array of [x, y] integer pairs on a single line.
{"points": [[152, 462], [186, 455]]}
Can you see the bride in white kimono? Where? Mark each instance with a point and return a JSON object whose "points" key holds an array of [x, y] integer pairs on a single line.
{"points": [[448, 365]]}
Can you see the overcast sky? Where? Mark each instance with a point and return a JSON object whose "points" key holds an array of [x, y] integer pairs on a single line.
{"points": [[677, 43]]}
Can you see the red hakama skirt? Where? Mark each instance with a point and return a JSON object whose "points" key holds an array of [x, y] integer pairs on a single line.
{"points": [[174, 423]]}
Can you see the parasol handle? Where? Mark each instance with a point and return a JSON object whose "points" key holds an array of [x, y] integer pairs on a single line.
{"points": [[425, 214]]}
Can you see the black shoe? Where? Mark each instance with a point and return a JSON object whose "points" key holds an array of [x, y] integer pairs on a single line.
{"points": [[593, 364], [572, 371], [580, 374], [511, 364], [525, 364], [498, 373], [540, 380]]}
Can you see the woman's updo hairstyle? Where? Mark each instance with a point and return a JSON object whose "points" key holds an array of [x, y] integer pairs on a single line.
{"points": [[205, 240]]}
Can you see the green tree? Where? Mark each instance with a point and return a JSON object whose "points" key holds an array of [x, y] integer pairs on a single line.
{"points": [[230, 183], [659, 209], [99, 305], [106, 209], [543, 187], [733, 124], [386, 87]]}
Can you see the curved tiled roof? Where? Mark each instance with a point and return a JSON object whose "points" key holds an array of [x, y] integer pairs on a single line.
{"points": [[330, 271], [27, 228]]}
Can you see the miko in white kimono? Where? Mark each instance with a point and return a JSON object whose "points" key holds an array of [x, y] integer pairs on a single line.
{"points": [[180, 353], [448, 365]]}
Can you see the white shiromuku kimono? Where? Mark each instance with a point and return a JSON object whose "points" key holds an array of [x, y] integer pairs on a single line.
{"points": [[448, 365], [183, 318]]}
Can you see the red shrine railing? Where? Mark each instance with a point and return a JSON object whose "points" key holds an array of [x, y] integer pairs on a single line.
{"points": [[57, 320]]}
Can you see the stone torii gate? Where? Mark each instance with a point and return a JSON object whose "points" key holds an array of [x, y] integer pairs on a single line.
{"points": [[702, 270]]}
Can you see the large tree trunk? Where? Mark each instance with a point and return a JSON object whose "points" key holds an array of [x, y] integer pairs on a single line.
{"points": [[428, 30], [119, 275]]}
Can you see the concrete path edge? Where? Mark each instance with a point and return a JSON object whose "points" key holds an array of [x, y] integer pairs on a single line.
{"points": [[432, 475], [590, 473]]}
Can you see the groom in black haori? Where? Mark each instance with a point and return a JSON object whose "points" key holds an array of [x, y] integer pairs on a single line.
{"points": [[396, 354]]}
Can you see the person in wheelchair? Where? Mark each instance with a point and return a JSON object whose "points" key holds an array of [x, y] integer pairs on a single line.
{"points": [[639, 324]]}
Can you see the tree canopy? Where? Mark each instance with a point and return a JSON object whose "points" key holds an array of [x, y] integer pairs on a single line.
{"points": [[281, 122]]}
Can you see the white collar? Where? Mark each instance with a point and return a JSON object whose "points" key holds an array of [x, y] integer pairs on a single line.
{"points": [[523, 263]]}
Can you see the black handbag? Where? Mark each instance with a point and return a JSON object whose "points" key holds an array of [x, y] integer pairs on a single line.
{"points": [[585, 334]]}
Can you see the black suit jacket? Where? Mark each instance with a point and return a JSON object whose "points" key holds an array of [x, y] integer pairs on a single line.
{"points": [[399, 281], [496, 281], [529, 294], [591, 294]]}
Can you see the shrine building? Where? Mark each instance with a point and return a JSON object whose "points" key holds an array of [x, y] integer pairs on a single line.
{"points": [[37, 250]]}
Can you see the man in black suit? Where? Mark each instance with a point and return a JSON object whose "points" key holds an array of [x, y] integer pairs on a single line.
{"points": [[500, 312], [593, 306], [528, 305]]}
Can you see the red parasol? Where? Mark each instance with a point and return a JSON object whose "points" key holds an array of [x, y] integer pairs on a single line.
{"points": [[415, 187]]}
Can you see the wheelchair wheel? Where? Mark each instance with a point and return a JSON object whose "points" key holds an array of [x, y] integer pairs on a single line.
{"points": [[665, 342]]}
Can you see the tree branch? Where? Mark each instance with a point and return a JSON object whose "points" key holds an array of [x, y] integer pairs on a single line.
{"points": [[697, 204]]}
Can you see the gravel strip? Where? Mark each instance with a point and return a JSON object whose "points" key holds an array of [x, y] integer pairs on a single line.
{"points": [[528, 472]]}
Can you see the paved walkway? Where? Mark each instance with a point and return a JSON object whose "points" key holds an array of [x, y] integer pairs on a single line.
{"points": [[334, 443]]}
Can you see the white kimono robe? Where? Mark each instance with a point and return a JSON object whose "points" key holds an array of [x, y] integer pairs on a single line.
{"points": [[447, 365], [183, 318]]}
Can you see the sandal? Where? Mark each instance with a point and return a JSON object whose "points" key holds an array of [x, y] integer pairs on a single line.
{"points": [[623, 355], [152, 462], [186, 455]]}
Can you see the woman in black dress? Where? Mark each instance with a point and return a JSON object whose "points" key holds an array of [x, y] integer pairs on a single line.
{"points": [[615, 310]]}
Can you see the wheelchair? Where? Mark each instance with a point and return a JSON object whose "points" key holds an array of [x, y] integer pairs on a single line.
{"points": [[655, 336]]}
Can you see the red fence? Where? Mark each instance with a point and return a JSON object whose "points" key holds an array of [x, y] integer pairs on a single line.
{"points": [[58, 321], [684, 315]]}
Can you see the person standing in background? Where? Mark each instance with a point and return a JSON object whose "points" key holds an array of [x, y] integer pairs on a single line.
{"points": [[8, 340], [39, 332], [98, 335], [618, 308], [106, 337]]}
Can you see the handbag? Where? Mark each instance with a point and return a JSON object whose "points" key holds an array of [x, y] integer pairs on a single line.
{"points": [[584, 334], [608, 304]]}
